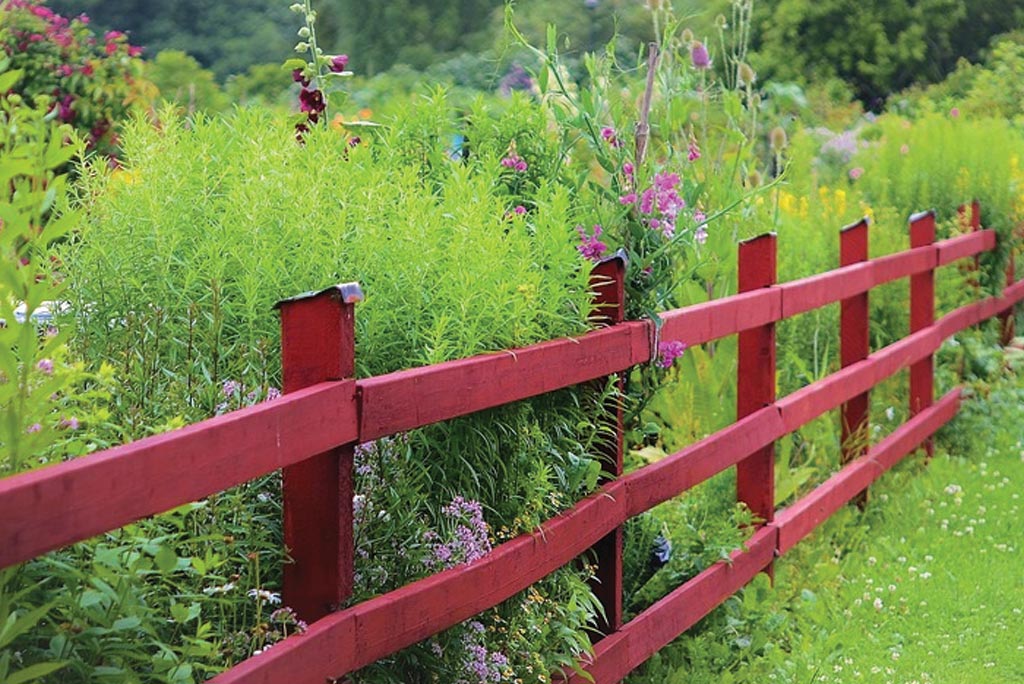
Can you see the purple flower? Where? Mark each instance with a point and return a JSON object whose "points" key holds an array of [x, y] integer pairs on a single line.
{"points": [[34, 427], [69, 423], [629, 198], [273, 393], [700, 235], [610, 137], [514, 162], [662, 199], [693, 151], [519, 210], [699, 56], [668, 352], [590, 246], [46, 366], [338, 63], [231, 388]]}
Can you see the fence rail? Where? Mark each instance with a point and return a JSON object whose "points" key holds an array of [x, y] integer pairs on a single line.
{"points": [[310, 432]]}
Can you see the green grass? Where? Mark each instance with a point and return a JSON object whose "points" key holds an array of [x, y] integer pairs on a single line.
{"points": [[924, 586]]}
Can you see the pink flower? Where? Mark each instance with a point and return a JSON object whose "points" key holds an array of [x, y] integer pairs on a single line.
{"points": [[692, 151], [110, 36], [34, 427], [338, 63], [514, 162], [904, 149], [668, 352], [519, 210], [590, 246], [629, 198], [69, 423], [699, 56], [610, 137], [856, 172], [954, 112]]}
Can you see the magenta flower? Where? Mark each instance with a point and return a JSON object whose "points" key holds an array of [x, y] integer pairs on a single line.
{"points": [[699, 56], [338, 63], [954, 112], [46, 366], [668, 352], [590, 246], [514, 162], [663, 202], [629, 198], [519, 210], [610, 137], [856, 172], [692, 151]]}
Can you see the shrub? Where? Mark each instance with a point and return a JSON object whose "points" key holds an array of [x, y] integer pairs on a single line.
{"points": [[90, 82]]}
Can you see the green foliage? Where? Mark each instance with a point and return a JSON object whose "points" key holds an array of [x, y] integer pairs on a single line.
{"points": [[69, 71], [225, 37], [879, 47], [181, 81]]}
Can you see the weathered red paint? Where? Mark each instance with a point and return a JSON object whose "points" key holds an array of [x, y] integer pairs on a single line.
{"points": [[922, 315], [755, 384], [317, 345], [854, 346], [608, 280]]}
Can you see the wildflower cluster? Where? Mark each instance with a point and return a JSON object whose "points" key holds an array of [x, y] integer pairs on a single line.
{"points": [[235, 395], [85, 80], [467, 539]]}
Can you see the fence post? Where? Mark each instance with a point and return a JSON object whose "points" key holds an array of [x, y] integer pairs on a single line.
{"points": [[608, 280], [755, 381], [318, 344], [1006, 319], [922, 315], [854, 346]]}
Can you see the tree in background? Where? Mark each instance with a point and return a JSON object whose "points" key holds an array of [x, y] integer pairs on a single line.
{"points": [[877, 46], [225, 36]]}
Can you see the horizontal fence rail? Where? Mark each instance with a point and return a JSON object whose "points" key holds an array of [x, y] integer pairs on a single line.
{"points": [[65, 503]]}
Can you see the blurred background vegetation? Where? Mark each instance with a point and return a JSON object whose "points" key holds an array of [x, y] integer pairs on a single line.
{"points": [[870, 49]]}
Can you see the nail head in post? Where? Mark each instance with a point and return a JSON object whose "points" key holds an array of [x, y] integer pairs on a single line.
{"points": [[350, 293]]}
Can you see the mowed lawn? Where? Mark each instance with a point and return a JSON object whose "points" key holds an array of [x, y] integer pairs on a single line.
{"points": [[925, 586]]}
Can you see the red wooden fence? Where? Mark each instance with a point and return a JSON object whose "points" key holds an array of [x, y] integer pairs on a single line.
{"points": [[310, 433]]}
